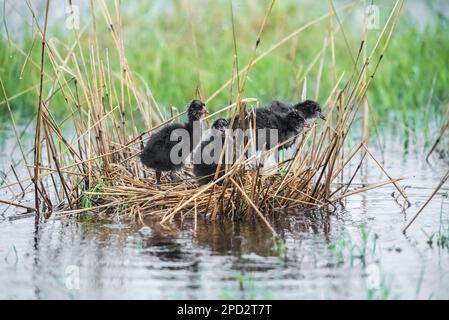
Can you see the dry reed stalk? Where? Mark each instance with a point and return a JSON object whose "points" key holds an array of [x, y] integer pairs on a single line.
{"points": [[443, 130], [397, 186], [37, 141], [440, 184]]}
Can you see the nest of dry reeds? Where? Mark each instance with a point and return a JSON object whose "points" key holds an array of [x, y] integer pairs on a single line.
{"points": [[311, 178]]}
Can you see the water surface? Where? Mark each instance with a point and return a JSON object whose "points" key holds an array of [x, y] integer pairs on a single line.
{"points": [[318, 256]]}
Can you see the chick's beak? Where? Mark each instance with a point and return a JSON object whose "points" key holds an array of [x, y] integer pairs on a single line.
{"points": [[322, 116], [204, 110]]}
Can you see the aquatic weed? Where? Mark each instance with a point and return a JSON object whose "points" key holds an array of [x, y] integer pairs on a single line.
{"points": [[440, 238], [279, 248], [338, 247]]}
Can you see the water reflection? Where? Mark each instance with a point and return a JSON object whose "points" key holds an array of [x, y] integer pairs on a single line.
{"points": [[317, 255]]}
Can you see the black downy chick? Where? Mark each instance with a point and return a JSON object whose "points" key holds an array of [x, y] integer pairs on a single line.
{"points": [[288, 124], [156, 154], [203, 170], [309, 109]]}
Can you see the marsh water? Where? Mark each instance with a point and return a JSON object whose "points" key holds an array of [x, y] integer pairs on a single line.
{"points": [[357, 252]]}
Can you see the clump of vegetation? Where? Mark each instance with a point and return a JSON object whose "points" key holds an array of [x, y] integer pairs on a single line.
{"points": [[383, 292], [248, 288], [440, 238], [347, 250], [344, 249], [338, 246], [279, 248]]}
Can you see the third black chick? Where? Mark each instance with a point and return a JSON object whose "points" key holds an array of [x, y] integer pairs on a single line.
{"points": [[288, 124], [205, 170], [156, 153], [309, 109]]}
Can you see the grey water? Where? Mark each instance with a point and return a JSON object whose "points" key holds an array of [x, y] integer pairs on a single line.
{"points": [[357, 252]]}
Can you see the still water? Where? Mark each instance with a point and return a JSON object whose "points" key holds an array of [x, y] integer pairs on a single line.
{"points": [[358, 252]]}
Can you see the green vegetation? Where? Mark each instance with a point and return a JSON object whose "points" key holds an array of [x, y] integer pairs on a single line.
{"points": [[383, 292], [88, 200], [180, 48], [248, 289], [337, 247], [441, 237], [347, 250], [279, 249]]}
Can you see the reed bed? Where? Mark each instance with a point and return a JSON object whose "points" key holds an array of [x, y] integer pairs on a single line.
{"points": [[94, 166]]}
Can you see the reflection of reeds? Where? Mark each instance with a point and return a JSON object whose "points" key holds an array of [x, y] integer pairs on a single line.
{"points": [[441, 133], [101, 164]]}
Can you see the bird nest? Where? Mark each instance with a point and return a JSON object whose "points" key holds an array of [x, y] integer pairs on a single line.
{"points": [[240, 193], [115, 183], [313, 178]]}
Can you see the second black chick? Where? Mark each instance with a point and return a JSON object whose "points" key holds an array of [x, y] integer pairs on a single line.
{"points": [[205, 170], [309, 109], [156, 154]]}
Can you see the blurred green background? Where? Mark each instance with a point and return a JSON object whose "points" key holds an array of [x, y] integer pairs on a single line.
{"points": [[175, 47]]}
